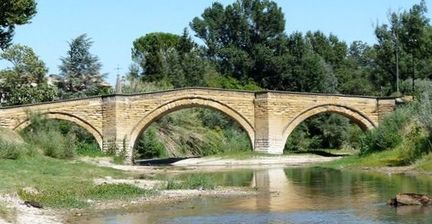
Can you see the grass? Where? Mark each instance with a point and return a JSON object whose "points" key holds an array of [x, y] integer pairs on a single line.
{"points": [[62, 183], [195, 181], [90, 150], [388, 158], [425, 164], [78, 198]]}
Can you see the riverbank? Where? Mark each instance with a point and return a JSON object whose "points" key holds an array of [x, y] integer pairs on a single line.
{"points": [[62, 186], [388, 162]]}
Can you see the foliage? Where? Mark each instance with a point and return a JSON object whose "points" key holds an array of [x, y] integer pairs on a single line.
{"points": [[169, 58], [402, 45], [80, 70], [10, 150], [242, 38], [26, 81], [195, 131], [148, 146], [324, 131], [388, 134], [196, 181], [59, 139], [14, 13]]}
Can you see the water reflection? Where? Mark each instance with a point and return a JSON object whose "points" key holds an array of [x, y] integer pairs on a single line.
{"points": [[294, 195]]}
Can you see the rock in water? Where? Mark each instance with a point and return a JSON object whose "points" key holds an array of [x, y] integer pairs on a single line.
{"points": [[410, 199]]}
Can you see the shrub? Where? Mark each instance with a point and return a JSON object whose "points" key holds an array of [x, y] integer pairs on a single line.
{"points": [[53, 143], [148, 145], [9, 150], [388, 134]]}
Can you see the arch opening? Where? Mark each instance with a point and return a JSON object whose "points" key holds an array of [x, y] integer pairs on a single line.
{"points": [[190, 127], [64, 123], [326, 127]]}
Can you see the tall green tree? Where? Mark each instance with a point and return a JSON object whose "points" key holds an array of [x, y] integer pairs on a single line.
{"points": [[25, 81], [12, 13], [170, 58], [243, 38], [403, 48], [81, 70], [150, 52]]}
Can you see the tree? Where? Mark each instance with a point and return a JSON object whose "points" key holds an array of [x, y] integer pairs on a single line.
{"points": [[243, 38], [403, 48], [12, 13], [150, 52], [165, 57], [26, 81], [80, 70]]}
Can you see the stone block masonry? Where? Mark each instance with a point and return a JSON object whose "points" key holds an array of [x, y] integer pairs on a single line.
{"points": [[268, 117]]}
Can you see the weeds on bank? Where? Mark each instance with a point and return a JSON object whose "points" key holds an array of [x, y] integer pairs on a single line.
{"points": [[196, 181], [83, 196], [425, 164]]}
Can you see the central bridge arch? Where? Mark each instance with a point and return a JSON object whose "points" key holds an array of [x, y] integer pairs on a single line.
{"points": [[189, 102], [356, 116]]}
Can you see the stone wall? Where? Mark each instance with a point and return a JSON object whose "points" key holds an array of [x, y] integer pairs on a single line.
{"points": [[268, 117]]}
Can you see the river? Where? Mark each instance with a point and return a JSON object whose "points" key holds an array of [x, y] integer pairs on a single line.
{"points": [[292, 195]]}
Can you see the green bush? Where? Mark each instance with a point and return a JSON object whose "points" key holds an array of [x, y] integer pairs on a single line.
{"points": [[53, 143], [59, 139], [388, 134], [9, 150], [148, 146]]}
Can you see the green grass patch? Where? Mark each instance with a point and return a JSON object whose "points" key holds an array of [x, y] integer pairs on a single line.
{"points": [[425, 164], [387, 158], [117, 191], [90, 150], [78, 198], [61, 183], [195, 181]]}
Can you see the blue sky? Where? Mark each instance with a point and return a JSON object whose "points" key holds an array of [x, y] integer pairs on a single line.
{"points": [[113, 24]]}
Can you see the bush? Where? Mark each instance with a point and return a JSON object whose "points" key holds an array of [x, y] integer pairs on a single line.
{"points": [[54, 144], [148, 145], [59, 139], [388, 134], [9, 150]]}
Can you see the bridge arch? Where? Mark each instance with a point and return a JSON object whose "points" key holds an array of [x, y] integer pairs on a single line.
{"points": [[67, 117], [359, 118], [189, 102]]}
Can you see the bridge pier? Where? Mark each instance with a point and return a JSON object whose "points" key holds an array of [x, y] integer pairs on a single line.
{"points": [[268, 128]]}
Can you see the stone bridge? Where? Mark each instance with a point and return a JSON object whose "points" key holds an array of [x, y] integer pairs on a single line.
{"points": [[268, 117]]}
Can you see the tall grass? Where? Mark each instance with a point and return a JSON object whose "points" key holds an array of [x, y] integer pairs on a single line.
{"points": [[10, 150], [59, 139]]}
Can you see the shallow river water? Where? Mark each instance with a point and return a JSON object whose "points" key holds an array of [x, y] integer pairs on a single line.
{"points": [[292, 195]]}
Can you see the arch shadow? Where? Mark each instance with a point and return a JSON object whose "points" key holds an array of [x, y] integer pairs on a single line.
{"points": [[189, 102], [67, 117], [359, 118]]}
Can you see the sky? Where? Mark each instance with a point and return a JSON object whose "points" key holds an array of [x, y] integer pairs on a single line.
{"points": [[113, 25]]}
